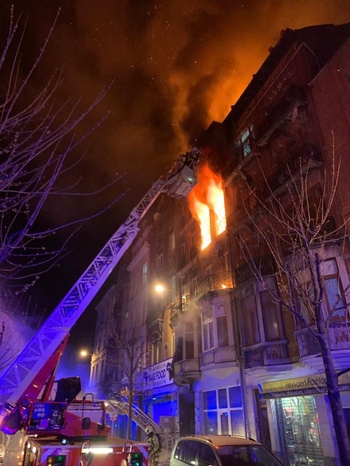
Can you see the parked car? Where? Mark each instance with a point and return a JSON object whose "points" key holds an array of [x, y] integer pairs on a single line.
{"points": [[220, 450]]}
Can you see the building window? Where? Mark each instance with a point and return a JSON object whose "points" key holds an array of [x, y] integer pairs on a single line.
{"points": [[214, 327], [246, 141], [334, 298], [223, 411], [171, 241], [144, 273], [183, 252], [208, 329], [173, 287], [160, 261], [194, 284], [156, 343], [334, 294], [271, 316], [222, 325], [249, 316], [192, 244], [189, 341]]}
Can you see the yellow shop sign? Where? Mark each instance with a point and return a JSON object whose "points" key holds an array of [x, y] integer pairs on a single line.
{"points": [[301, 386]]}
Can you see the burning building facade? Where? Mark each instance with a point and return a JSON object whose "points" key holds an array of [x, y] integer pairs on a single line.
{"points": [[221, 353]]}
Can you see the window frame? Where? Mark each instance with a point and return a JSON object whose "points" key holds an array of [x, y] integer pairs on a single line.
{"points": [[328, 308], [214, 411], [212, 327], [254, 332], [246, 141]]}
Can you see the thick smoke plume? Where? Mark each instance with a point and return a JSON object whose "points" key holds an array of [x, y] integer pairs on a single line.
{"points": [[176, 65]]}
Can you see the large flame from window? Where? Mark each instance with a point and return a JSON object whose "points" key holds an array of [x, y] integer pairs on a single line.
{"points": [[207, 205]]}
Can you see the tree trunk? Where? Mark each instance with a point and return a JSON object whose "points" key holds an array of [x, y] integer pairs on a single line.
{"points": [[340, 428], [130, 400]]}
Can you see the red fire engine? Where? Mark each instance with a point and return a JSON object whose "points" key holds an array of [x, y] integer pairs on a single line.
{"points": [[113, 452], [59, 430]]}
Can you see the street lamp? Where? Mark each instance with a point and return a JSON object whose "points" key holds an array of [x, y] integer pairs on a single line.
{"points": [[84, 357], [160, 288], [84, 353]]}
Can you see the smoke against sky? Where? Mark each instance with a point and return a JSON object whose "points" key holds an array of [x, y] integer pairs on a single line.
{"points": [[176, 65]]}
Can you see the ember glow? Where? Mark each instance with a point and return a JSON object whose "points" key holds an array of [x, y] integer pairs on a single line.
{"points": [[206, 202]]}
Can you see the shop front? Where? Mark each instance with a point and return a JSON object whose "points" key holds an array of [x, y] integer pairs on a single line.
{"points": [[300, 418], [219, 403], [160, 397]]}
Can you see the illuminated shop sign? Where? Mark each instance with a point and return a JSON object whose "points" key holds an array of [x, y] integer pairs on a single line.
{"points": [[157, 375], [301, 386]]}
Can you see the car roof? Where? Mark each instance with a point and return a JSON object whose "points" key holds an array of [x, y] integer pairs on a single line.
{"points": [[220, 440]]}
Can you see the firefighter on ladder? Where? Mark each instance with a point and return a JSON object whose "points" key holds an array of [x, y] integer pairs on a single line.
{"points": [[154, 447]]}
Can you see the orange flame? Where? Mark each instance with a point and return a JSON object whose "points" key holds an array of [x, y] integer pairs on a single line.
{"points": [[205, 198]]}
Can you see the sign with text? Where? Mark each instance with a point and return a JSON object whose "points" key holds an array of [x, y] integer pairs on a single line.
{"points": [[157, 375], [309, 385]]}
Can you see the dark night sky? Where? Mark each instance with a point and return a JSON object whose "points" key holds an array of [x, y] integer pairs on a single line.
{"points": [[177, 66]]}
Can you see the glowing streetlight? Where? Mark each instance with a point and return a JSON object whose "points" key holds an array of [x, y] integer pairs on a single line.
{"points": [[84, 353], [159, 288]]}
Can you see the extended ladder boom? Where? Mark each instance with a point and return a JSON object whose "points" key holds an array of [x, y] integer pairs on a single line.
{"points": [[18, 382], [121, 406]]}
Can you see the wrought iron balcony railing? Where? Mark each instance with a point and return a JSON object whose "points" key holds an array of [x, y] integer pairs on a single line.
{"points": [[213, 282], [266, 354]]}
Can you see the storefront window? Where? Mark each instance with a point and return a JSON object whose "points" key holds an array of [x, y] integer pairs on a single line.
{"points": [[211, 423], [223, 413], [235, 397], [210, 399], [299, 430], [222, 398], [237, 422]]}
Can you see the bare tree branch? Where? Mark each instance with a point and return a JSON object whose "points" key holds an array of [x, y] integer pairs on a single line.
{"points": [[39, 142], [294, 224]]}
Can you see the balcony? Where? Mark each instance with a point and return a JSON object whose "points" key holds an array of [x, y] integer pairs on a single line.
{"points": [[218, 355], [213, 282], [244, 210], [340, 336], [177, 308], [304, 156], [264, 264], [242, 150], [266, 354], [277, 116], [186, 371], [339, 339]]}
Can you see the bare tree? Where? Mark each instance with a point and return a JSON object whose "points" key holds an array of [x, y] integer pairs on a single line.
{"points": [[15, 332], [39, 135], [296, 226], [125, 357]]}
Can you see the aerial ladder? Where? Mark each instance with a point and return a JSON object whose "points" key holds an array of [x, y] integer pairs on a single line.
{"points": [[31, 376]]}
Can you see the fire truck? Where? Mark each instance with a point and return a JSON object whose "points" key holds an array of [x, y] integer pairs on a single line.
{"points": [[49, 451], [59, 429]]}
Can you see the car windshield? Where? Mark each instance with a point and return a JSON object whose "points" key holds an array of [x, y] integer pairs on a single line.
{"points": [[246, 455]]}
